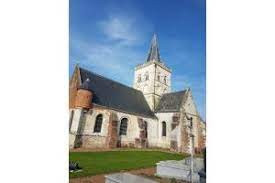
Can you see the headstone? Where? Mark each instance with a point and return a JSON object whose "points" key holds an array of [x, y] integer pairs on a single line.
{"points": [[202, 173], [126, 178], [74, 167], [180, 169]]}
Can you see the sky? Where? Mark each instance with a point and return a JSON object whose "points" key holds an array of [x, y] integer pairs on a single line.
{"points": [[111, 37]]}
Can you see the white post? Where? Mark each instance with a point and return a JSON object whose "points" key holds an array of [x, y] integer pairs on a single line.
{"points": [[191, 148], [76, 120], [192, 156]]}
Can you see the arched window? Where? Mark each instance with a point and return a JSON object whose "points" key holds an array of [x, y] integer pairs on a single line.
{"points": [[139, 78], [98, 123], [146, 76], [164, 129], [123, 126], [158, 77], [145, 129], [164, 79]]}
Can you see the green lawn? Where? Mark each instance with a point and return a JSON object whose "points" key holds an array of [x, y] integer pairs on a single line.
{"points": [[113, 161]]}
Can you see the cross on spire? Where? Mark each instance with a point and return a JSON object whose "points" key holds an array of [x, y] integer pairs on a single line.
{"points": [[154, 50]]}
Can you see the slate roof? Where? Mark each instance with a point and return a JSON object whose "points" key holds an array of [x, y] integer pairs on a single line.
{"points": [[86, 85], [112, 94], [154, 50], [171, 102]]}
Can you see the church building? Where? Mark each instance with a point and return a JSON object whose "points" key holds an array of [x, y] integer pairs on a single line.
{"points": [[107, 114]]}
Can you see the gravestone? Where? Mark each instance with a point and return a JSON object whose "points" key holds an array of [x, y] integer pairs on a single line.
{"points": [[180, 169], [202, 173], [126, 178], [74, 167]]}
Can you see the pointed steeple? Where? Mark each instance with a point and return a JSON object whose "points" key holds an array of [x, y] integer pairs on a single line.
{"points": [[154, 50]]}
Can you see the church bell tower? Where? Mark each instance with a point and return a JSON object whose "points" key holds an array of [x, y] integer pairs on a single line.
{"points": [[153, 78]]}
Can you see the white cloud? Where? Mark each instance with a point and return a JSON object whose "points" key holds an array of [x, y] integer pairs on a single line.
{"points": [[121, 29], [116, 52], [109, 60]]}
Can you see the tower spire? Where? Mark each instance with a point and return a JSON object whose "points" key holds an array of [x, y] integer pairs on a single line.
{"points": [[154, 50]]}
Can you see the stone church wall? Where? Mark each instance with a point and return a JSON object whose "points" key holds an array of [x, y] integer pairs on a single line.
{"points": [[158, 83], [162, 86], [190, 109], [175, 132], [176, 139], [164, 141], [128, 140], [202, 136], [146, 86], [83, 129], [132, 137], [105, 138], [143, 83], [152, 132], [93, 139]]}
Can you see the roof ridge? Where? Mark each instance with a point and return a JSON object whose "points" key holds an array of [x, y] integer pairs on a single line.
{"points": [[183, 100], [176, 92], [109, 79]]}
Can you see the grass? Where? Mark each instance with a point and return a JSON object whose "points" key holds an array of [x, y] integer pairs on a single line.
{"points": [[94, 163]]}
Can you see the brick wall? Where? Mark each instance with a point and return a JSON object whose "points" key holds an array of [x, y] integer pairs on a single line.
{"points": [[112, 137], [83, 99], [185, 139], [73, 85]]}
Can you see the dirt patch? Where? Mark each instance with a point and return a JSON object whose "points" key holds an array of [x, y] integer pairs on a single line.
{"points": [[124, 149], [92, 179]]}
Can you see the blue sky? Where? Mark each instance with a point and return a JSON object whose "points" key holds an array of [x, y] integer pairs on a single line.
{"points": [[111, 37]]}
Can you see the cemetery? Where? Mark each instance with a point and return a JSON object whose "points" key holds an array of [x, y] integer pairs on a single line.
{"points": [[94, 163], [134, 166]]}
